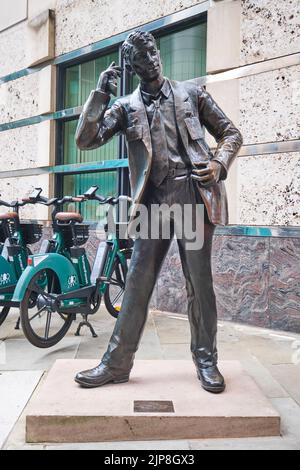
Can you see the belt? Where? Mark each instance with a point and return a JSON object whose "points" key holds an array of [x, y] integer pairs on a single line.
{"points": [[177, 172]]}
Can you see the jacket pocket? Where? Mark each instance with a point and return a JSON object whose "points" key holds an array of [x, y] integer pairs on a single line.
{"points": [[134, 133], [194, 128]]}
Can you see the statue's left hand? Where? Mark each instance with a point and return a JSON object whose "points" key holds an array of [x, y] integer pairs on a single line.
{"points": [[208, 173]]}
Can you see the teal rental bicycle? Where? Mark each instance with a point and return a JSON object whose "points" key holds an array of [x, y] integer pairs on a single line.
{"points": [[15, 236], [59, 284]]}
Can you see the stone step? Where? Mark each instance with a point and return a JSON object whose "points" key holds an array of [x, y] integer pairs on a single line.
{"points": [[162, 400]]}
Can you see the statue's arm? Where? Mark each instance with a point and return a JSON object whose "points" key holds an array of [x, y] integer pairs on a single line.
{"points": [[228, 137], [98, 124]]}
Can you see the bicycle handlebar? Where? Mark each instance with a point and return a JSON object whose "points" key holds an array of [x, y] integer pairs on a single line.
{"points": [[13, 204], [91, 195], [36, 198]]}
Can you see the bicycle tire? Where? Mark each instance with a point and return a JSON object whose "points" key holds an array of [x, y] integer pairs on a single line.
{"points": [[28, 331], [108, 301], [3, 314]]}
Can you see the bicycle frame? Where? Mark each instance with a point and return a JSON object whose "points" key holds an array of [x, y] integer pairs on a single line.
{"points": [[77, 284]]}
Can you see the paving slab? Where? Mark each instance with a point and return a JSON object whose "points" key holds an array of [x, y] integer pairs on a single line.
{"points": [[288, 376], [172, 329], [21, 355], [15, 391], [111, 413], [177, 351], [268, 350], [2, 353], [125, 445], [290, 417], [263, 443], [263, 377]]}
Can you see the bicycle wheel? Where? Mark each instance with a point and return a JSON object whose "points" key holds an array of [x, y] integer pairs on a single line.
{"points": [[114, 293], [3, 314], [42, 325]]}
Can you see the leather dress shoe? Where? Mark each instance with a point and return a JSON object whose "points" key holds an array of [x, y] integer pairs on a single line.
{"points": [[211, 379], [99, 376]]}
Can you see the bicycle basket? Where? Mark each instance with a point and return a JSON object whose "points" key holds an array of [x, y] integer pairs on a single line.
{"points": [[32, 232], [78, 236]]}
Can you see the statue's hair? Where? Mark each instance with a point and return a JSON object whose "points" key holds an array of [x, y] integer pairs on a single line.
{"points": [[138, 39]]}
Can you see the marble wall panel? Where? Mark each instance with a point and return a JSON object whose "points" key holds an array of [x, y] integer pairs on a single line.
{"points": [[171, 295], [100, 19], [256, 279], [18, 188], [19, 99], [269, 189], [13, 49], [284, 287], [241, 273], [269, 28], [269, 106]]}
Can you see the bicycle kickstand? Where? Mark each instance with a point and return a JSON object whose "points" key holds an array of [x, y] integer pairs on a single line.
{"points": [[85, 322], [17, 327]]}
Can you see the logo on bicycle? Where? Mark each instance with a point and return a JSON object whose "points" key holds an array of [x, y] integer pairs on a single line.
{"points": [[72, 281], [4, 279]]}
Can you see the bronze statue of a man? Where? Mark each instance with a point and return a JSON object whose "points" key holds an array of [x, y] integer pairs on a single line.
{"points": [[169, 163]]}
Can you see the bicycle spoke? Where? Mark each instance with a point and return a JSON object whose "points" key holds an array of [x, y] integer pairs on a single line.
{"points": [[115, 282], [117, 297], [37, 314], [44, 326], [48, 322], [118, 273], [64, 318]]}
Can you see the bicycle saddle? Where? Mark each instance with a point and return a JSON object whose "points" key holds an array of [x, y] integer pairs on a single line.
{"points": [[9, 215], [69, 216]]}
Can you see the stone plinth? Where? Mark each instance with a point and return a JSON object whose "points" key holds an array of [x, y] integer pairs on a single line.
{"points": [[163, 400]]}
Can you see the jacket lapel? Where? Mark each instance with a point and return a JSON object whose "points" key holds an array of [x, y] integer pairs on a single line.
{"points": [[180, 98], [139, 116]]}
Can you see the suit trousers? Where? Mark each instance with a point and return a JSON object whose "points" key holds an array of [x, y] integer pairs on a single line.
{"points": [[147, 260]]}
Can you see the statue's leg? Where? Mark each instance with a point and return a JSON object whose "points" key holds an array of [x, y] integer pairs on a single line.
{"points": [[145, 265], [202, 310]]}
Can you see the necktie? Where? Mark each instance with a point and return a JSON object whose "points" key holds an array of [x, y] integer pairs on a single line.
{"points": [[160, 158]]}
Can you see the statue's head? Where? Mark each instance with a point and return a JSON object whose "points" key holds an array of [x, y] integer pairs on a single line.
{"points": [[142, 56]]}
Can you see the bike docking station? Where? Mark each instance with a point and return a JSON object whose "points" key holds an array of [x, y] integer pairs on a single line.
{"points": [[163, 400]]}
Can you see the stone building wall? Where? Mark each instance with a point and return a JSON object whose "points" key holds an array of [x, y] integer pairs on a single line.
{"points": [[264, 104], [267, 102], [259, 42], [269, 29], [269, 186]]}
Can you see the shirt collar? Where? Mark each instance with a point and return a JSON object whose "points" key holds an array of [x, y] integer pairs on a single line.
{"points": [[165, 91]]}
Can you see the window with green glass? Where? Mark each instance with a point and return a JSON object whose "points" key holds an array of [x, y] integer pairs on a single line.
{"points": [[183, 54], [78, 184], [80, 80]]}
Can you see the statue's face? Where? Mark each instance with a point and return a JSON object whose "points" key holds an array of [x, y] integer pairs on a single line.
{"points": [[146, 62]]}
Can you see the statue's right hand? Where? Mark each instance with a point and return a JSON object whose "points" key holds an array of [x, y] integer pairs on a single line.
{"points": [[108, 80]]}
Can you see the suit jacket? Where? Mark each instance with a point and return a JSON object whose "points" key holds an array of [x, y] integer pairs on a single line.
{"points": [[194, 107]]}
